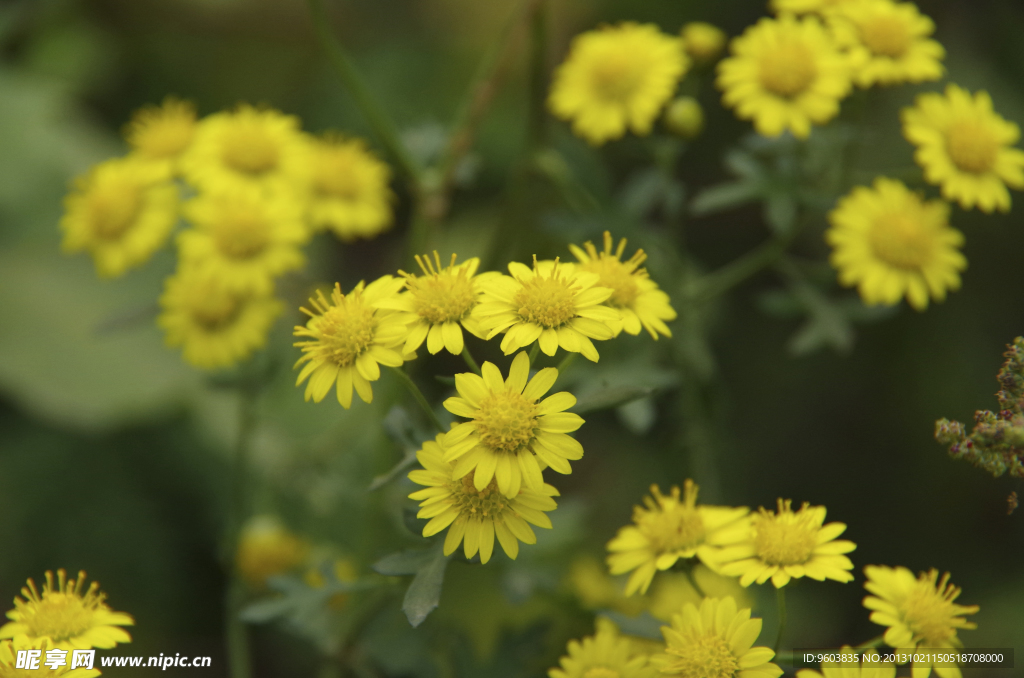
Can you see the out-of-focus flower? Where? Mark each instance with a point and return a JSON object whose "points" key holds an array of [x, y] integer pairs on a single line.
{"points": [[162, 133], [603, 655], [702, 41], [349, 191], [267, 548]]}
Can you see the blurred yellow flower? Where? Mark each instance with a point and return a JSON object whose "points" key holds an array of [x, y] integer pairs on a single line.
{"points": [[891, 243], [512, 429], [617, 78], [637, 298], [787, 545], [918, 611], [702, 41], [684, 117], [267, 548], [9, 662], [476, 515], [244, 236], [162, 133], [784, 73], [349, 339], [66, 615], [965, 147], [595, 589], [554, 304], [215, 326], [606, 654], [670, 528], [121, 212], [823, 7], [344, 570], [852, 665], [349, 188]]}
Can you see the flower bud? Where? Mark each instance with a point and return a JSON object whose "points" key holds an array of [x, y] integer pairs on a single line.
{"points": [[702, 41], [684, 117]]}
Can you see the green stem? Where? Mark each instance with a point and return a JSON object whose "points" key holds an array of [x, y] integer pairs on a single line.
{"points": [[780, 597], [418, 396], [236, 632], [566, 363], [374, 113], [537, 132], [468, 357], [719, 282], [534, 350]]}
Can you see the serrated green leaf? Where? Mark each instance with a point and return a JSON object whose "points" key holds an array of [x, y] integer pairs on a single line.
{"points": [[424, 593]]}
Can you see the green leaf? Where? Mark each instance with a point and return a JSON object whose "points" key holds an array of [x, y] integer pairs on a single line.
{"points": [[424, 593], [401, 429], [638, 416], [404, 562], [780, 211], [266, 610], [724, 196], [612, 396]]}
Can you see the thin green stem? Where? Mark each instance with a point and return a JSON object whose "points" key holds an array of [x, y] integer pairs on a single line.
{"points": [[780, 597], [371, 109], [534, 351], [236, 632], [538, 117], [722, 280], [418, 396], [468, 357], [566, 363]]}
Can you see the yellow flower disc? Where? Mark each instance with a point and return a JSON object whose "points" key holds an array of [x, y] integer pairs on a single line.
{"points": [[162, 133], [349, 191]]}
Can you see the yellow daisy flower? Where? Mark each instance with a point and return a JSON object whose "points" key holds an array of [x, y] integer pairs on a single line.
{"points": [[918, 611], [267, 548], [606, 654], [476, 515], [121, 212], [853, 667], [715, 641], [162, 133], [966, 148], [349, 191], [634, 295], [670, 528], [617, 77], [553, 304], [512, 430], [215, 326], [887, 42], [64, 615], [247, 147], [9, 662], [784, 73], [823, 7], [787, 545], [891, 243], [439, 303], [245, 236], [349, 339], [702, 41]]}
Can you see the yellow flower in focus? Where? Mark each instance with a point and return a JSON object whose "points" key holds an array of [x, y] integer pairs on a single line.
{"points": [[215, 326], [9, 662], [512, 429], [476, 516], [787, 545], [715, 641], [554, 304], [248, 147], [672, 590], [121, 212], [702, 41], [918, 611], [891, 243], [348, 341], [162, 133], [65, 615], [966, 148], [851, 666], [244, 236], [634, 294], [670, 528], [606, 654], [784, 73], [823, 7], [438, 304], [267, 548], [349, 188], [887, 42], [617, 78]]}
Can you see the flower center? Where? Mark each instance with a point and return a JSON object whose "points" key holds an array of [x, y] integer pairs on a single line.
{"points": [[345, 332], [601, 672], [114, 208], [615, 78], [886, 35], [442, 298], [213, 310], [241, 232], [703, 656], [901, 240], [784, 539], [674, 530], [506, 421], [547, 301], [486, 503], [59, 615], [788, 69], [929, 611], [248, 149], [618, 276], [971, 146]]}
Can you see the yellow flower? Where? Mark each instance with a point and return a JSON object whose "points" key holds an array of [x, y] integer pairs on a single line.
{"points": [[634, 294], [606, 654], [64, 615], [476, 515], [247, 147], [267, 548], [244, 236], [553, 304], [822, 7], [162, 133], [349, 188], [702, 41], [617, 77], [965, 147], [595, 589], [891, 243], [684, 117], [9, 662], [121, 212], [348, 341], [887, 42], [853, 667], [787, 545], [671, 528], [215, 326], [438, 304], [672, 590], [918, 611], [512, 429], [784, 73], [715, 641]]}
